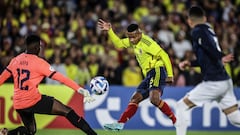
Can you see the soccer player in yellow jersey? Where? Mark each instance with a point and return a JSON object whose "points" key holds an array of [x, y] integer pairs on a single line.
{"points": [[155, 65]]}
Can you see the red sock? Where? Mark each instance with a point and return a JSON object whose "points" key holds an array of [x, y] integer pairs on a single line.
{"points": [[163, 106], [129, 112]]}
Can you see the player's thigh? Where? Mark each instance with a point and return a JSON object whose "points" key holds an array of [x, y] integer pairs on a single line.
{"points": [[155, 80], [142, 91], [207, 91], [59, 108], [50, 105], [228, 100], [44, 106]]}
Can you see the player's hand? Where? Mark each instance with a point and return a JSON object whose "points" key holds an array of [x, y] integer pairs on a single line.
{"points": [[104, 25], [169, 80], [182, 65], [86, 94], [227, 58], [88, 99]]}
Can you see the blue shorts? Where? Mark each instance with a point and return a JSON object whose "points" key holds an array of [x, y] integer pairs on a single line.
{"points": [[155, 79]]}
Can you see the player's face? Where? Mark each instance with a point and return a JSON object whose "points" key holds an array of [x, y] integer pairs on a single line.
{"points": [[37, 48], [193, 22], [190, 23], [134, 37]]}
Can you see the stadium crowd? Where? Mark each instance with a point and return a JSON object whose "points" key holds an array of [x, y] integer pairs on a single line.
{"points": [[74, 45]]}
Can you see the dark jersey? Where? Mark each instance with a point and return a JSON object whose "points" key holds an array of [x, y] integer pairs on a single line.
{"points": [[208, 53]]}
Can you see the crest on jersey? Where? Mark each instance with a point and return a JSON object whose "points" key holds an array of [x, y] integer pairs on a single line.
{"points": [[51, 68], [200, 41]]}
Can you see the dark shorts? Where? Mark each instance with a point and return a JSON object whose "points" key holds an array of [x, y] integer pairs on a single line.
{"points": [[155, 79], [44, 106]]}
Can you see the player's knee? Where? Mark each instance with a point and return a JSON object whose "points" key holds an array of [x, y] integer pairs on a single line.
{"points": [[185, 103], [234, 118], [180, 104], [155, 102]]}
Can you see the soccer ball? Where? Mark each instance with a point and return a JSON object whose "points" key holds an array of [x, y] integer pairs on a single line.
{"points": [[99, 85]]}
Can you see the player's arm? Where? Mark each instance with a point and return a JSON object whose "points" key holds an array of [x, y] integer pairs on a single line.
{"points": [[5, 75], [6, 72], [70, 83], [64, 80], [48, 71], [119, 43], [186, 63]]}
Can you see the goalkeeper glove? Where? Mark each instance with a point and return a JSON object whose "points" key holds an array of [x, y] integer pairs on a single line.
{"points": [[86, 94]]}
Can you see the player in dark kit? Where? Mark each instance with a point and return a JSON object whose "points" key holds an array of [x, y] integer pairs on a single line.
{"points": [[216, 85], [28, 70]]}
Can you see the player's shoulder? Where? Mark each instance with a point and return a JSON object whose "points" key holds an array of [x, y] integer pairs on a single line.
{"points": [[41, 60], [19, 56], [34, 59], [146, 40], [201, 28]]}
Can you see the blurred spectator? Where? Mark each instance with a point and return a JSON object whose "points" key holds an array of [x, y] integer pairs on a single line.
{"points": [[141, 11], [71, 68], [28, 28], [19, 45], [181, 45], [83, 76], [93, 47], [109, 70], [165, 34], [117, 9], [132, 74], [45, 32], [93, 64], [58, 66], [10, 21], [69, 23]]}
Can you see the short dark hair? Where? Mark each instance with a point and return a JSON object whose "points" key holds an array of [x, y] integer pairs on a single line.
{"points": [[132, 27], [31, 39], [196, 11]]}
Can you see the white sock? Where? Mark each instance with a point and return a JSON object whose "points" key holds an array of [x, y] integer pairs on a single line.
{"points": [[182, 118], [234, 118]]}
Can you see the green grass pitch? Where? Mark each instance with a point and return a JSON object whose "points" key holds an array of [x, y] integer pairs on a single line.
{"points": [[133, 132]]}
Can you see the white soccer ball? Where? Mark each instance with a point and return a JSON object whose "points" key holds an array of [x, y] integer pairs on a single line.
{"points": [[99, 85]]}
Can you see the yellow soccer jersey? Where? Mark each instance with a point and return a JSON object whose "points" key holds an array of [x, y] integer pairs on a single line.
{"points": [[148, 53]]}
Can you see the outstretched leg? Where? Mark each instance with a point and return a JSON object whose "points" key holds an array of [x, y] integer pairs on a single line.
{"points": [[79, 122], [163, 106], [131, 108], [127, 114]]}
